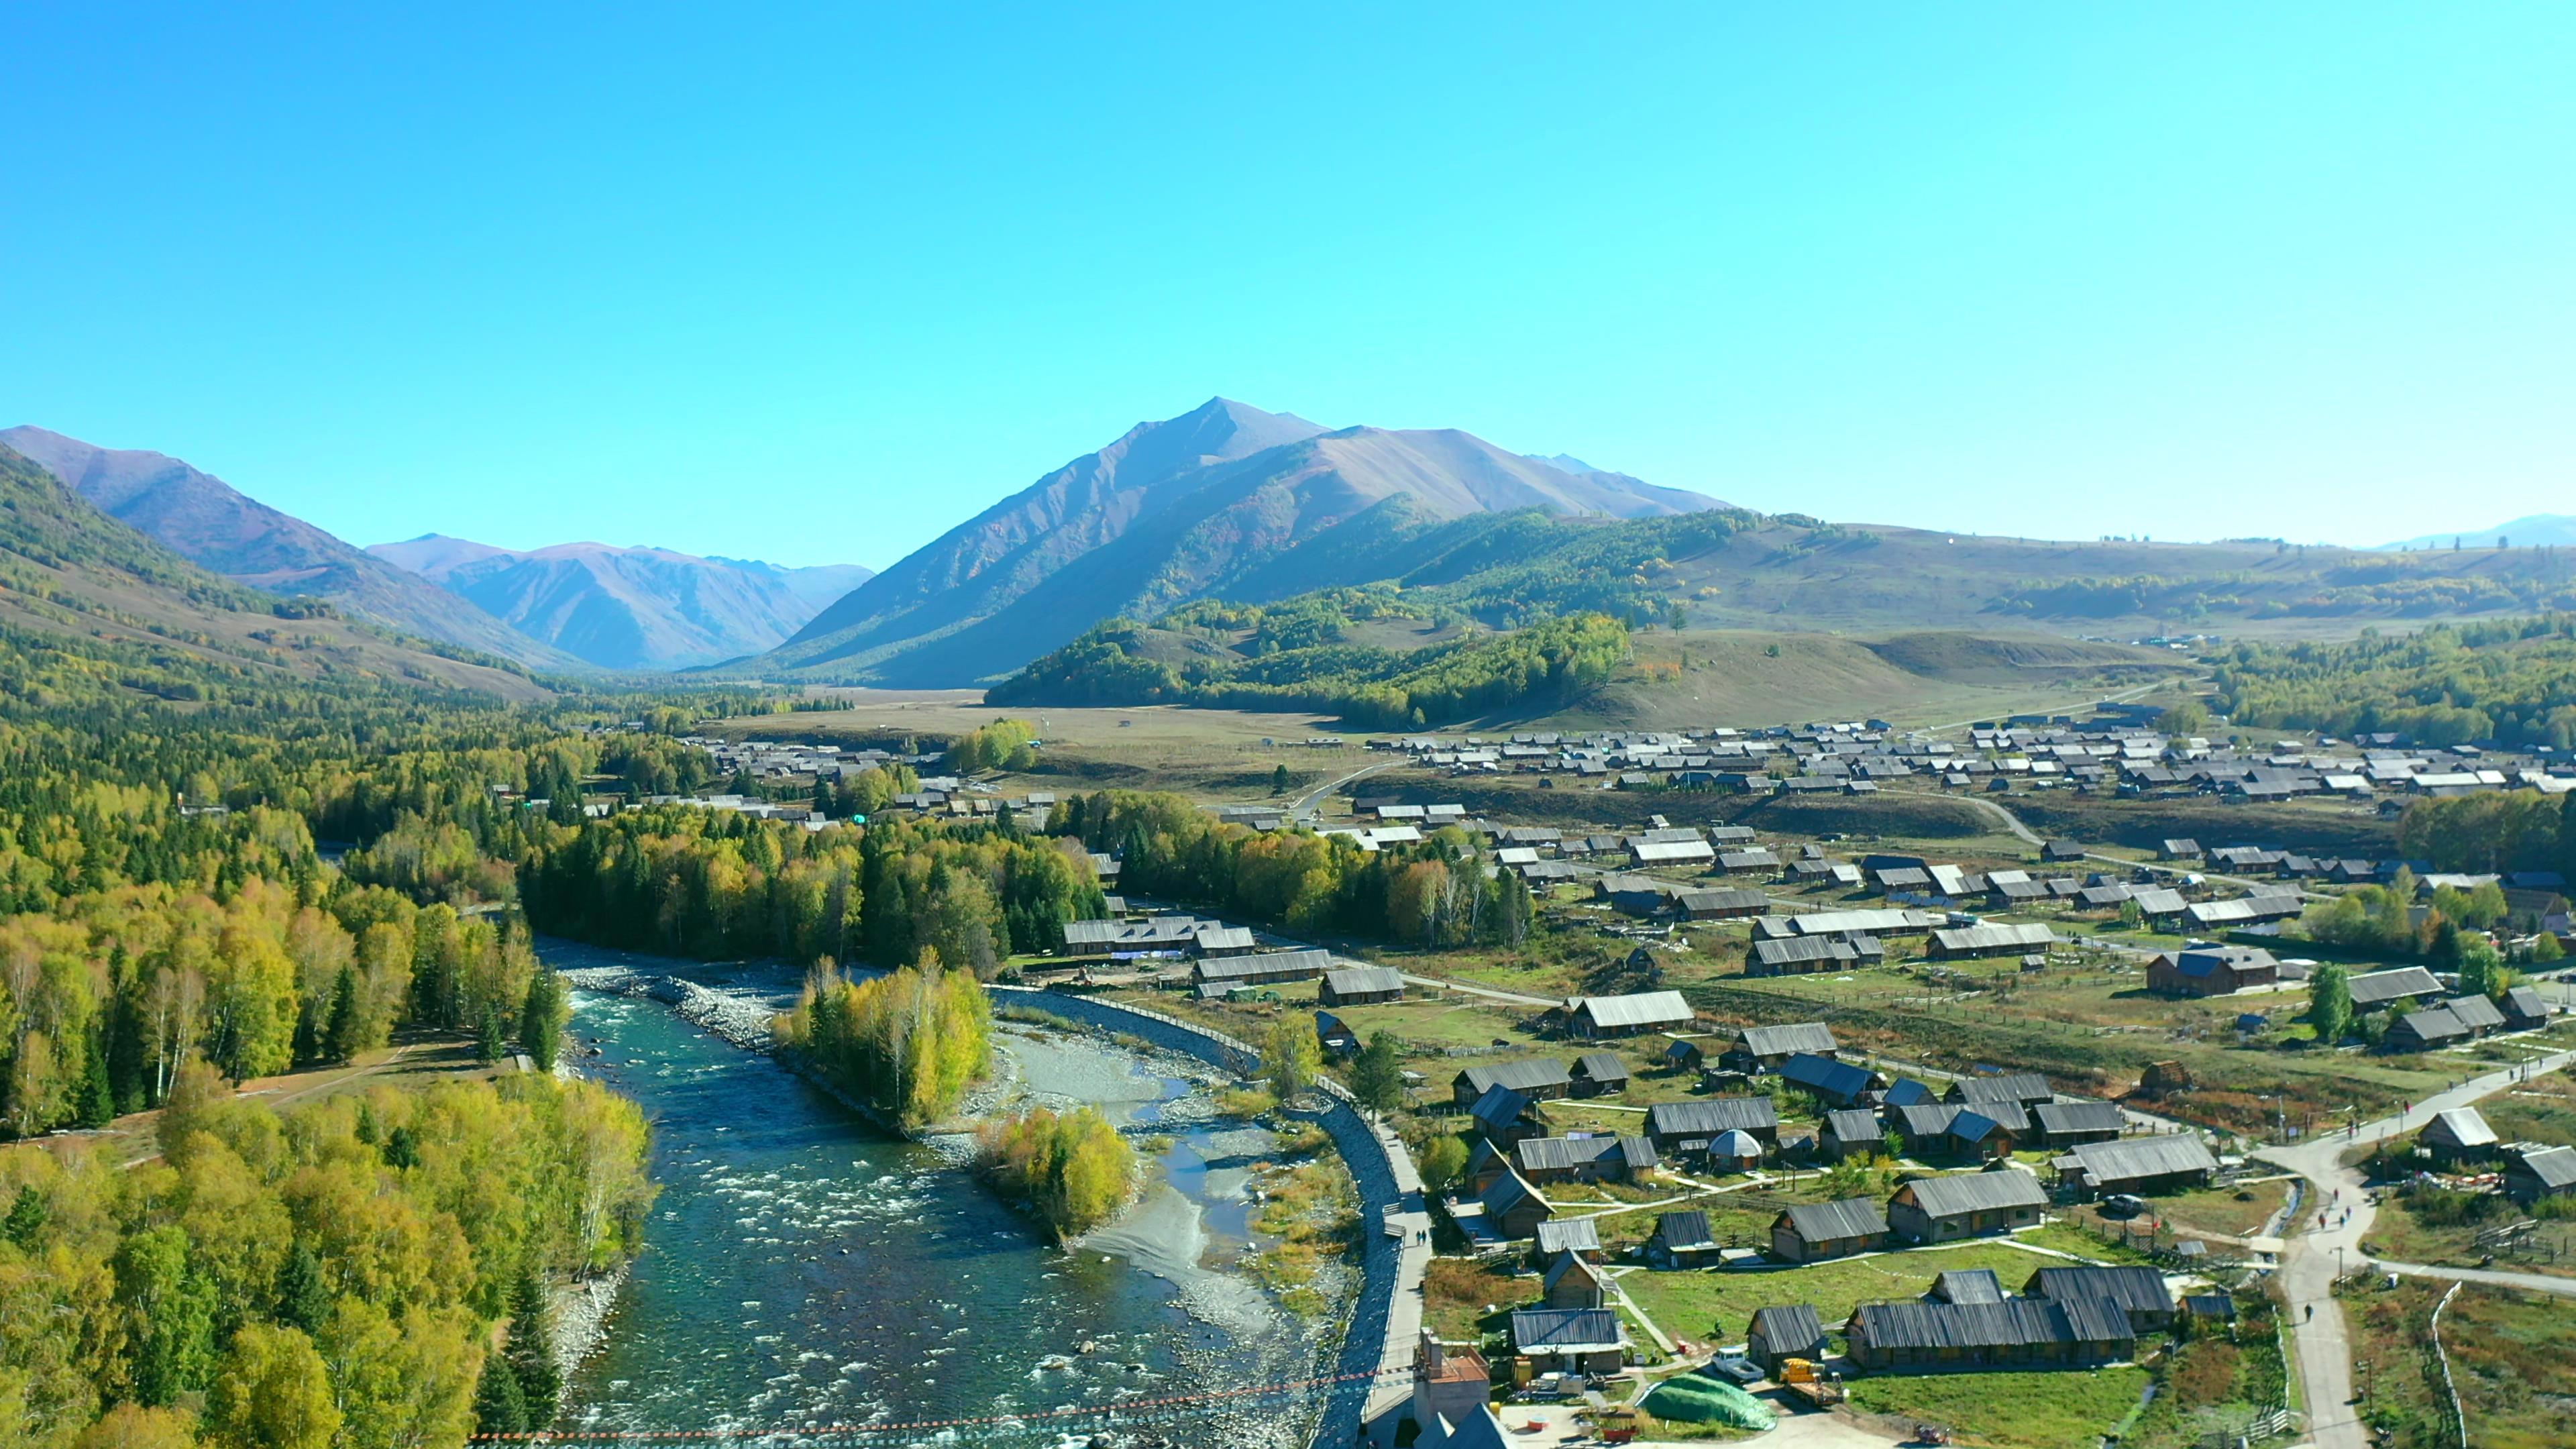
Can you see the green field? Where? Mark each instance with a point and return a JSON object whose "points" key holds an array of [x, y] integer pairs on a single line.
{"points": [[1687, 1304], [2065, 1409]]}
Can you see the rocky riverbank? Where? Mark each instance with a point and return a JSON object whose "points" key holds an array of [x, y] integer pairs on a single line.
{"points": [[1190, 1225]]}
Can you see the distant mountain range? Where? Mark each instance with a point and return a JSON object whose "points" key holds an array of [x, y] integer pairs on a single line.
{"points": [[83, 591], [203, 519], [557, 608], [1223, 501], [1228, 503], [629, 608], [2531, 531]]}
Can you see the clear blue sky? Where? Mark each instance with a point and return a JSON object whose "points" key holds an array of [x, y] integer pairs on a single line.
{"points": [[814, 285]]}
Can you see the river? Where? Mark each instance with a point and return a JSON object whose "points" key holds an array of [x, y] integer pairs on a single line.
{"points": [[805, 1269]]}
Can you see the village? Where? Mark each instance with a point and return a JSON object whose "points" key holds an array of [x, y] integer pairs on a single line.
{"points": [[1777, 1120]]}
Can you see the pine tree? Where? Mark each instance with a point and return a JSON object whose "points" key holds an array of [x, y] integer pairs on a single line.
{"points": [[541, 1018], [341, 1035], [491, 1037], [531, 1351], [97, 1105], [499, 1406], [2446, 951], [1377, 1076], [303, 1299], [27, 1217]]}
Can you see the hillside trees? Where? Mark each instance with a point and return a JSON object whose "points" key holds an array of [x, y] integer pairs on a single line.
{"points": [[1551, 659], [2512, 681]]}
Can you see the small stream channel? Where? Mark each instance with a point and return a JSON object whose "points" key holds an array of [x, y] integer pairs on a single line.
{"points": [[804, 1268]]}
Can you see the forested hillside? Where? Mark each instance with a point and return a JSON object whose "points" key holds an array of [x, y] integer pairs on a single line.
{"points": [[77, 583], [2510, 681], [1305, 655]]}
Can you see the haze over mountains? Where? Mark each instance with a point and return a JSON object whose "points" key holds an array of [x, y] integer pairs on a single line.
{"points": [[2535, 530], [555, 608], [1229, 503], [203, 519], [1223, 501], [629, 608], [84, 592]]}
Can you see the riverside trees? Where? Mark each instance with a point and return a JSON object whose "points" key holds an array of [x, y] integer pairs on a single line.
{"points": [[1072, 1168], [908, 1043], [287, 1278]]}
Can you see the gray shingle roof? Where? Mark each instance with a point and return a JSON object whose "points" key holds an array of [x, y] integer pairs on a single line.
{"points": [[1711, 1116], [1787, 1325], [1559, 1154], [2136, 1157], [1565, 1330], [1851, 1217], [1802, 948], [1275, 963], [2061, 1117], [1972, 1192], [1570, 1235], [1776, 1041], [2012, 1323], [1683, 1230], [2554, 1166], [1601, 1067], [2009, 1087], [2378, 988], [1644, 1008], [1521, 1076], [1360, 980], [1968, 1285], [2475, 1012], [2460, 1127], [2136, 1290], [1851, 1124], [2000, 936]]}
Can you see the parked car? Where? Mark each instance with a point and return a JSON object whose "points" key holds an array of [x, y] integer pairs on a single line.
{"points": [[1734, 1367], [2123, 1205]]}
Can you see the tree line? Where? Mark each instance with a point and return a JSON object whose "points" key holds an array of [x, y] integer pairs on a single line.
{"points": [[337, 1275], [2509, 681], [1435, 893]]}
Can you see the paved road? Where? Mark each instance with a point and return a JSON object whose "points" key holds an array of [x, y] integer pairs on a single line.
{"points": [[2023, 833], [2308, 1271], [1305, 809]]}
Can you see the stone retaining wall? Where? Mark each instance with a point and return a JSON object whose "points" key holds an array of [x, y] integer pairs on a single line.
{"points": [[1387, 1319]]}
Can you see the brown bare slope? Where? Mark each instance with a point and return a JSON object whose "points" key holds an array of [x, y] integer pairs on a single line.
{"points": [[207, 521]]}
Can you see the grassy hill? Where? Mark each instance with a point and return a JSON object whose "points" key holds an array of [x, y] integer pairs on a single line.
{"points": [[88, 601], [1354, 651], [1750, 678]]}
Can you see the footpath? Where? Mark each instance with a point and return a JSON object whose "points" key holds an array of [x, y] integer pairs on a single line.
{"points": [[2316, 1258]]}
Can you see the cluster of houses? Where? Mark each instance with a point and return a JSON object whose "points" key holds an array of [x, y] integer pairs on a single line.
{"points": [[2115, 748], [2526, 1171], [2430, 1017], [1978, 1119]]}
